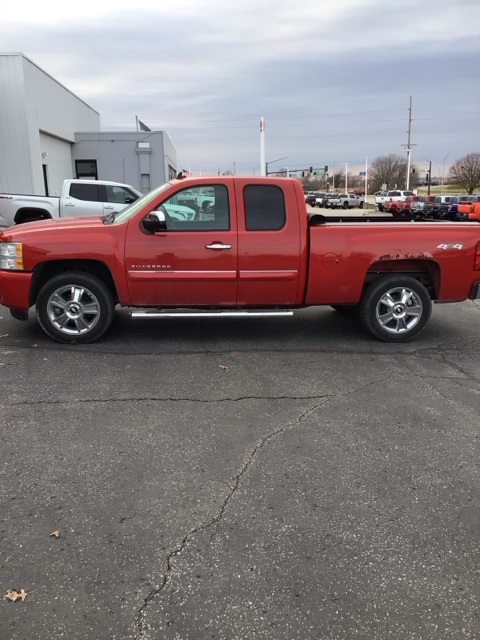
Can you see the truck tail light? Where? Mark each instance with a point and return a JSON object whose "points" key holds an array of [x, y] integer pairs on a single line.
{"points": [[476, 266]]}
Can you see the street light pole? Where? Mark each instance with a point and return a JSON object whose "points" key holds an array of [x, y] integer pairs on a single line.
{"points": [[443, 166], [346, 176], [272, 161], [366, 182]]}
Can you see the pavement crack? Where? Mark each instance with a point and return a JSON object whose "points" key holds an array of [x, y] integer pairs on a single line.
{"points": [[72, 401], [216, 520]]}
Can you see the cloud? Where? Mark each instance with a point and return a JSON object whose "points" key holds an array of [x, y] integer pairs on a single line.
{"points": [[332, 79]]}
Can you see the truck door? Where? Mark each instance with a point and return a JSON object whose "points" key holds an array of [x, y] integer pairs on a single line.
{"points": [[194, 261], [271, 243], [82, 198]]}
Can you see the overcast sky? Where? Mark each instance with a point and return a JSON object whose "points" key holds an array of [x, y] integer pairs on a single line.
{"points": [[333, 78]]}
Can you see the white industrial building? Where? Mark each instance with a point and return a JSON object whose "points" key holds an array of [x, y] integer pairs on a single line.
{"points": [[48, 134]]}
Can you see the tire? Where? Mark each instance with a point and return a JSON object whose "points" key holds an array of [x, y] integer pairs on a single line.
{"points": [[75, 306], [345, 205], [381, 207], [361, 205], [395, 308]]}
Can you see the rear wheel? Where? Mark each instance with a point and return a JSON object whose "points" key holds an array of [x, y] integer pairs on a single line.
{"points": [[395, 308], [75, 306]]}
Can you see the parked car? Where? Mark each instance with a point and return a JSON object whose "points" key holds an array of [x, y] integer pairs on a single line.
{"points": [[347, 201], [319, 199], [78, 198], [327, 198], [311, 198], [395, 194]]}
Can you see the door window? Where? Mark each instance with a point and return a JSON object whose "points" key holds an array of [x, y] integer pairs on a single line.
{"points": [[119, 195], [197, 209], [88, 192], [264, 207]]}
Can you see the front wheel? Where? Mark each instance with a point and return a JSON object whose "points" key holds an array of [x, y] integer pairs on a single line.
{"points": [[395, 308], [75, 306]]}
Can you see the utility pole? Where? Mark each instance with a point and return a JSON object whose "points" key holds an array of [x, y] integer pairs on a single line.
{"points": [[409, 144]]}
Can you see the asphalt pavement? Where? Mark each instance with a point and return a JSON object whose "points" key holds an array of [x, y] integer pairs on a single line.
{"points": [[212, 478]]}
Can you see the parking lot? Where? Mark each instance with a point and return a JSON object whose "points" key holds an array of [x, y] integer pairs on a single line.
{"points": [[208, 478]]}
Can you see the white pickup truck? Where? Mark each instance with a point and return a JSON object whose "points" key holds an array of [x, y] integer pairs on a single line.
{"points": [[391, 196], [346, 201], [79, 197]]}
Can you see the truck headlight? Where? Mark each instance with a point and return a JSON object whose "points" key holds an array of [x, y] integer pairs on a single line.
{"points": [[11, 256]]}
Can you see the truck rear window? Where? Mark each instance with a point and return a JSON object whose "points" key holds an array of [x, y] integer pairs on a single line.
{"points": [[88, 192], [264, 207]]}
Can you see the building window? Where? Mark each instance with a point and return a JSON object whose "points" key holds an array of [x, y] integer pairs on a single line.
{"points": [[86, 169]]}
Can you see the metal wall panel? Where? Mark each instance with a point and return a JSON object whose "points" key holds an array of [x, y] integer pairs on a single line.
{"points": [[33, 103], [15, 166]]}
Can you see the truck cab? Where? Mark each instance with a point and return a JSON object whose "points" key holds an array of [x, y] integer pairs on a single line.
{"points": [[80, 197]]}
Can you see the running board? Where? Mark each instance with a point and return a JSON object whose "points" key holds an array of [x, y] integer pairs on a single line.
{"points": [[159, 313]]}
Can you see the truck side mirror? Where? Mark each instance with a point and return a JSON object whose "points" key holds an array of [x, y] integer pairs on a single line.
{"points": [[155, 221]]}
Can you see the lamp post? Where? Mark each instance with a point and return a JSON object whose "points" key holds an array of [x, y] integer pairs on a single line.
{"points": [[443, 167], [366, 182], [346, 175], [429, 175], [272, 161]]}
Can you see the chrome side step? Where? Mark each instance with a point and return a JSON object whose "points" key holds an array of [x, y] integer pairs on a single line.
{"points": [[160, 313]]}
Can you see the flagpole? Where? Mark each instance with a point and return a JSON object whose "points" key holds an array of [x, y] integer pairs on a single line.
{"points": [[136, 122]]}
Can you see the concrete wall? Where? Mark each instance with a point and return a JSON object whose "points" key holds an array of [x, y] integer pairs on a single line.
{"points": [[141, 159], [38, 116]]}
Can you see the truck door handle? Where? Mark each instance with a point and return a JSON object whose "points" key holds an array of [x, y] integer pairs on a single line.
{"points": [[218, 246], [68, 204], [108, 207]]}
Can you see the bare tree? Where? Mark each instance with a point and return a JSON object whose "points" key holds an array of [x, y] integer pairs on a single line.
{"points": [[390, 170], [465, 172]]}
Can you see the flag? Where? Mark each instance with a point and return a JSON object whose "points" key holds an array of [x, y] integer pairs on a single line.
{"points": [[262, 125], [143, 126]]}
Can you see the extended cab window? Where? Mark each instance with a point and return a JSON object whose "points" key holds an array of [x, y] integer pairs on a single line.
{"points": [[264, 207], [119, 194], [88, 192], [197, 209]]}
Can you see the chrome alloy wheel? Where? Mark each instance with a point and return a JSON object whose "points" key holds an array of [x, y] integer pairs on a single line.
{"points": [[399, 310], [73, 309]]}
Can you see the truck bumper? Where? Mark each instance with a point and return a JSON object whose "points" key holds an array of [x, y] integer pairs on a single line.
{"points": [[475, 292], [15, 289]]}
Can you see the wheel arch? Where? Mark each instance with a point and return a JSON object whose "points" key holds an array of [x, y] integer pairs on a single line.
{"points": [[426, 271], [47, 270], [27, 213]]}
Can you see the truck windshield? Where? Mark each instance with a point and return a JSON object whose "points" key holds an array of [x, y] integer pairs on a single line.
{"points": [[130, 211]]}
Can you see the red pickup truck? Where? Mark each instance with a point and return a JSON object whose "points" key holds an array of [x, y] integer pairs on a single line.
{"points": [[251, 251]]}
